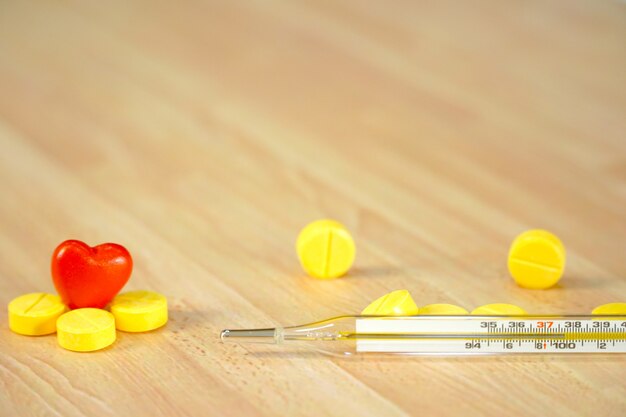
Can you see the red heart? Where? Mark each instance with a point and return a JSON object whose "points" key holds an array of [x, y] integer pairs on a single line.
{"points": [[90, 277]]}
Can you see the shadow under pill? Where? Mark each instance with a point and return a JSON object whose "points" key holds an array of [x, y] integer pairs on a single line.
{"points": [[577, 281]]}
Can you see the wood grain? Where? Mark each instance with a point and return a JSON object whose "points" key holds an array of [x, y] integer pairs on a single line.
{"points": [[204, 135]]}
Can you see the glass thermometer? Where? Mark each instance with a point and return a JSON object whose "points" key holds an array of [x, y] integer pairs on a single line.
{"points": [[449, 335]]}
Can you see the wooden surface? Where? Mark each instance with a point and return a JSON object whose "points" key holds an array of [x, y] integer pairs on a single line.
{"points": [[203, 136]]}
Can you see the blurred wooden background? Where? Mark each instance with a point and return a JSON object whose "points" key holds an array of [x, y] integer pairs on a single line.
{"points": [[204, 135]]}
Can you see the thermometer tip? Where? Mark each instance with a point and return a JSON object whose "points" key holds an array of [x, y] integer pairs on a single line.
{"points": [[224, 335], [252, 335]]}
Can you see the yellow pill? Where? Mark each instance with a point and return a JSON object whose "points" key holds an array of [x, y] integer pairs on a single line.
{"points": [[610, 309], [442, 310], [326, 249], [139, 311], [35, 314], [86, 329], [396, 303], [499, 310], [536, 259]]}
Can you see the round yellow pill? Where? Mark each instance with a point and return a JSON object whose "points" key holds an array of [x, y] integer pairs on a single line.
{"points": [[86, 329], [396, 303], [35, 314], [139, 311], [536, 259], [442, 310], [610, 309], [326, 249], [499, 309]]}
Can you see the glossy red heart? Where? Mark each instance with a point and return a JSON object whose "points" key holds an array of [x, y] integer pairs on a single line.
{"points": [[90, 277]]}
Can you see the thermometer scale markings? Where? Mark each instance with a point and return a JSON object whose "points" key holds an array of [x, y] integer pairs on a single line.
{"points": [[524, 335]]}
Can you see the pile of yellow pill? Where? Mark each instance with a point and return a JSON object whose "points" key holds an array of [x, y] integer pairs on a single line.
{"points": [[87, 329], [400, 303]]}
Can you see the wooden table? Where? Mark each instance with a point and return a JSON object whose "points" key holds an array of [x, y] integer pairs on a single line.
{"points": [[203, 136]]}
